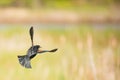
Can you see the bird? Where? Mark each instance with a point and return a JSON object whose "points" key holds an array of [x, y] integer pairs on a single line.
{"points": [[24, 60]]}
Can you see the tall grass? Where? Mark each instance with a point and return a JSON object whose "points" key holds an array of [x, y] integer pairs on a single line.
{"points": [[84, 53]]}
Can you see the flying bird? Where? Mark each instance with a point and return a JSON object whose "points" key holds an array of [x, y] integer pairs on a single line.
{"points": [[24, 60]]}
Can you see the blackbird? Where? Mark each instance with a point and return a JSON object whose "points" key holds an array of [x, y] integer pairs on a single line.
{"points": [[24, 60]]}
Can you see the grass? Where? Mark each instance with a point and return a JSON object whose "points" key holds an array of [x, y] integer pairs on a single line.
{"points": [[84, 53]]}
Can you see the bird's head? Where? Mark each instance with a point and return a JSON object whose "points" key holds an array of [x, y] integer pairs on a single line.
{"points": [[37, 46]]}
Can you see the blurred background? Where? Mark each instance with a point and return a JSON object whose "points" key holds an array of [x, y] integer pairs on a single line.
{"points": [[86, 33]]}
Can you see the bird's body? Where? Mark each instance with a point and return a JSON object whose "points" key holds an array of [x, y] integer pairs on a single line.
{"points": [[32, 51], [24, 60]]}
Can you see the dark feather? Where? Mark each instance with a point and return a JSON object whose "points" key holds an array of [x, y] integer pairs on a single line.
{"points": [[53, 50], [31, 34]]}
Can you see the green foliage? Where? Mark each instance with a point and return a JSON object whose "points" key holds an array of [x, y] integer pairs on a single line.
{"points": [[54, 3], [5, 2]]}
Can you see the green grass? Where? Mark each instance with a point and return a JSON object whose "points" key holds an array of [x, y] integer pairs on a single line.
{"points": [[84, 53]]}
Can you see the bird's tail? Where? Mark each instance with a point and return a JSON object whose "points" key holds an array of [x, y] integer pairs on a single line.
{"points": [[24, 61]]}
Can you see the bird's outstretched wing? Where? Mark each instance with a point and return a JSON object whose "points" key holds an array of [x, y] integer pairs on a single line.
{"points": [[53, 50], [43, 51], [31, 35]]}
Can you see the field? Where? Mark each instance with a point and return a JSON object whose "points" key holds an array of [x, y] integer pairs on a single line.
{"points": [[85, 52]]}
